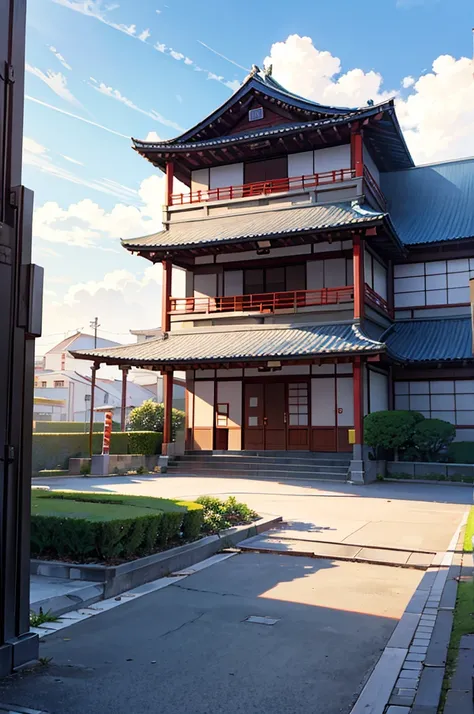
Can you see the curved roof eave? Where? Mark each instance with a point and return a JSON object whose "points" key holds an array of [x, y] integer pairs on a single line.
{"points": [[274, 90]]}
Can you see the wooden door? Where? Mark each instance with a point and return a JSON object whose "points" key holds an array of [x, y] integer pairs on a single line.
{"points": [[298, 415], [274, 417], [254, 411]]}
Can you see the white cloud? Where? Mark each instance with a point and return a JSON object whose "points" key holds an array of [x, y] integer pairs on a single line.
{"points": [[59, 57], [160, 46], [117, 95], [122, 301], [158, 12], [55, 81], [437, 116], [75, 116], [176, 55], [152, 136], [143, 36], [37, 156], [71, 160]]}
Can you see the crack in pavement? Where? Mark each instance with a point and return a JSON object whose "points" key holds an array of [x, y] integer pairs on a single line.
{"points": [[184, 624]]}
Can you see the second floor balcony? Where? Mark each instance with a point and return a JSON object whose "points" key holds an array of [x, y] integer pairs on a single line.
{"points": [[279, 187], [273, 303]]}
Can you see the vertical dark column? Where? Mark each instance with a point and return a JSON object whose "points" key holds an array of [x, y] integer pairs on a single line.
{"points": [[168, 410], [94, 369], [359, 280], [166, 296], [20, 323], [123, 409]]}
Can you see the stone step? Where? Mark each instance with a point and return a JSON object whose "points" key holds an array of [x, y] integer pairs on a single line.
{"points": [[234, 460], [319, 455], [186, 463], [258, 473]]}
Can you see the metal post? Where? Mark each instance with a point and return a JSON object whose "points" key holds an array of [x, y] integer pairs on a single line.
{"points": [[20, 322], [123, 409], [94, 369]]}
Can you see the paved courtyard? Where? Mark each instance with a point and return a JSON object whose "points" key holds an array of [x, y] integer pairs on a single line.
{"points": [[189, 647]]}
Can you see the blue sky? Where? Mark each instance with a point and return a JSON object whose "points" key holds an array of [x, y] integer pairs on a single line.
{"points": [[96, 59]]}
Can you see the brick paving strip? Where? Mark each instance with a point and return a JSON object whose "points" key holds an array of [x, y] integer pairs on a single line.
{"points": [[408, 677]]}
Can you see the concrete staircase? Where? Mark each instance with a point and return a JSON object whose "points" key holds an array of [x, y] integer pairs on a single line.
{"points": [[262, 464]]}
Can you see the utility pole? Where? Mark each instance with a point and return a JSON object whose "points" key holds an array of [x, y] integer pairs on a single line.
{"points": [[21, 293], [95, 325]]}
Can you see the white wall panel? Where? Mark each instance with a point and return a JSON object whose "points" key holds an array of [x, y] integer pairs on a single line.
{"points": [[408, 270], [332, 158], [409, 299], [435, 267], [344, 368], [230, 175], [370, 163], [314, 274], [203, 404], [418, 402], [334, 272], [323, 369], [300, 164], [442, 386], [378, 391], [233, 282], [200, 180], [231, 393], [458, 265], [402, 401], [458, 280], [205, 285], [464, 386], [457, 295], [323, 402], [465, 418], [345, 401], [405, 285], [436, 282], [380, 279]]}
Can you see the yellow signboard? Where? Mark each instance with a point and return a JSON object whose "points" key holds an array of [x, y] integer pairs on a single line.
{"points": [[351, 436]]}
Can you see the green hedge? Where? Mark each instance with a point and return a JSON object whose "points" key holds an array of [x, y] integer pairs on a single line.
{"points": [[53, 451], [144, 442], [461, 452], [95, 526], [69, 427]]}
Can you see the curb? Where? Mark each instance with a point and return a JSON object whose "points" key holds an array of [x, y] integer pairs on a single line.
{"points": [[60, 604], [114, 580]]}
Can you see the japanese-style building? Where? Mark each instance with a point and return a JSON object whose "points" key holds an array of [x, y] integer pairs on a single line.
{"points": [[326, 276]]}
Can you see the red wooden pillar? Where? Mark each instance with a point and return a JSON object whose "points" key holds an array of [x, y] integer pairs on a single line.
{"points": [[166, 295], [359, 281], [168, 406], [359, 401], [357, 152], [169, 182], [123, 406]]}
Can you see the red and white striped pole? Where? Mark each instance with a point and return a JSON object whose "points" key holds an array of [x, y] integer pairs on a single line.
{"points": [[107, 432]]}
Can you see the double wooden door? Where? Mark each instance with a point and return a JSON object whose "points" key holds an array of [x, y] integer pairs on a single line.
{"points": [[276, 416]]}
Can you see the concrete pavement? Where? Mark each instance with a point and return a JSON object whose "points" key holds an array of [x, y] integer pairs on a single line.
{"points": [[190, 647]]}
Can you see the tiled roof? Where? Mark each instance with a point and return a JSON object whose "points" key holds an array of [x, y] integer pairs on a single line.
{"points": [[429, 204], [225, 229], [246, 343], [430, 340]]}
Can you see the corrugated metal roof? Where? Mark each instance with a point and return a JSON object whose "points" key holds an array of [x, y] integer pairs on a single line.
{"points": [[430, 340], [428, 204], [225, 229], [242, 344]]}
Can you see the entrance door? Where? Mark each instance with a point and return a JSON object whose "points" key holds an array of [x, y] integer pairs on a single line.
{"points": [[265, 417]]}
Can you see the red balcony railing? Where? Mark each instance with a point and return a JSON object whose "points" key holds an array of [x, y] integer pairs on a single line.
{"points": [[376, 299], [264, 302], [260, 188], [375, 188]]}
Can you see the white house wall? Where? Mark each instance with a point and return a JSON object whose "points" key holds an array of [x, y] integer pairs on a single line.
{"points": [[228, 175], [205, 285], [231, 393], [203, 415], [447, 399], [323, 412], [378, 389], [301, 164], [233, 282], [345, 402], [370, 163], [200, 180], [332, 158]]}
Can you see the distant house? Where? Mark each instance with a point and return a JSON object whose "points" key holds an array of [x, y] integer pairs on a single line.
{"points": [[59, 357]]}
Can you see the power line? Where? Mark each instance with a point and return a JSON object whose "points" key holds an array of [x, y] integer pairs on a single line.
{"points": [[95, 325]]}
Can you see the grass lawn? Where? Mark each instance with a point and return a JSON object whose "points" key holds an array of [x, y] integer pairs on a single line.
{"points": [[463, 622], [101, 506]]}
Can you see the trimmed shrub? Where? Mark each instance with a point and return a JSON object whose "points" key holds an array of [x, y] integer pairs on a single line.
{"points": [[432, 436], [193, 521], [390, 430], [70, 427], [461, 452], [147, 443], [95, 526], [219, 515], [149, 417], [53, 451], [47, 473]]}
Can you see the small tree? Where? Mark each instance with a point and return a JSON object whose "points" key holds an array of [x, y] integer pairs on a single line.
{"points": [[149, 416], [432, 436], [390, 430]]}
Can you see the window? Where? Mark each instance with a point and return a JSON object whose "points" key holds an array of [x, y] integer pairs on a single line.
{"points": [[298, 404], [274, 280], [59, 383], [447, 399], [106, 398], [256, 113], [375, 275], [44, 384], [439, 282], [222, 415]]}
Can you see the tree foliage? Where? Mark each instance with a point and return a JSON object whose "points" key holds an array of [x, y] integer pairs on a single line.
{"points": [[391, 430], [432, 436], [149, 416]]}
